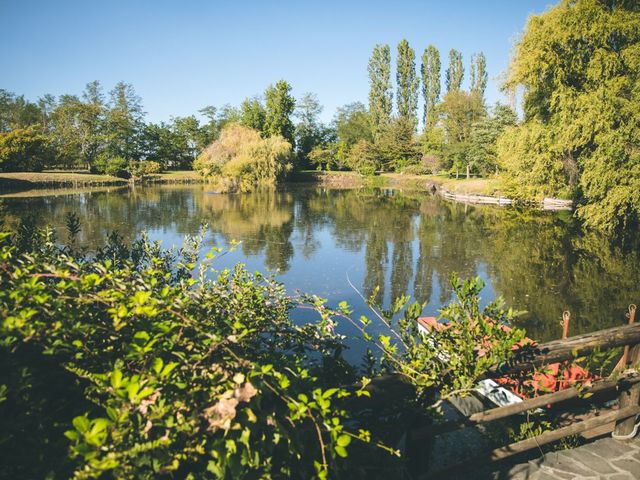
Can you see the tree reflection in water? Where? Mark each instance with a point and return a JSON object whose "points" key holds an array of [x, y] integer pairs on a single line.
{"points": [[539, 262]]}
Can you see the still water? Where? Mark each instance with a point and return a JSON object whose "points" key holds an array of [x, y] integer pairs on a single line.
{"points": [[327, 242]]}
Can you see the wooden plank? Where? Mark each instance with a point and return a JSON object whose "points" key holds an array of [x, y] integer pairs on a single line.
{"points": [[535, 442], [530, 357], [498, 413]]}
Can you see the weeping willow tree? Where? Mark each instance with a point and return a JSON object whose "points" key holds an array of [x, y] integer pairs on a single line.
{"points": [[241, 159], [579, 65]]}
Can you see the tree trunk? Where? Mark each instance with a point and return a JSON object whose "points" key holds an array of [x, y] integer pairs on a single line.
{"points": [[468, 172]]}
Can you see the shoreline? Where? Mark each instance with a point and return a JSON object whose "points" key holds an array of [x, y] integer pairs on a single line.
{"points": [[474, 191], [12, 182]]}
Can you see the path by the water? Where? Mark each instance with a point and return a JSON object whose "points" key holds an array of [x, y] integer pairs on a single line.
{"points": [[605, 459]]}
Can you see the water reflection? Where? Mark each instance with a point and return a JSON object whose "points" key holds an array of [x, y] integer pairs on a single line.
{"points": [[402, 243]]}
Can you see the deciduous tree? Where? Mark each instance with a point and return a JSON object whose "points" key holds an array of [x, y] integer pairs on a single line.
{"points": [[579, 65], [280, 105]]}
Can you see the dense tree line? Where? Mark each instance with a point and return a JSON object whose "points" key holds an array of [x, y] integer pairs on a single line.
{"points": [[458, 133], [109, 134]]}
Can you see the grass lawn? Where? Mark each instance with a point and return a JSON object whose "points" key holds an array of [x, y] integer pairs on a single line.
{"points": [[479, 186]]}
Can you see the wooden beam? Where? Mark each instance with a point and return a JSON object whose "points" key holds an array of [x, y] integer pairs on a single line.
{"points": [[498, 413], [522, 446], [530, 357]]}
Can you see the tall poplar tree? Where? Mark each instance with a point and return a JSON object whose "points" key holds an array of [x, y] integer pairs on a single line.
{"points": [[279, 105], [380, 94], [407, 83], [455, 71], [430, 71], [478, 73]]}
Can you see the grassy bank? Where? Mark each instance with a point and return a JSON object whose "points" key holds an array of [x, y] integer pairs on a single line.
{"points": [[19, 181], [77, 179], [480, 186]]}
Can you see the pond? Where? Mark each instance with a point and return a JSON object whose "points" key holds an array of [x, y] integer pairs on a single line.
{"points": [[340, 244]]}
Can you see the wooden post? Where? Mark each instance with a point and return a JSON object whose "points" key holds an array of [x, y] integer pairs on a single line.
{"points": [[627, 398], [631, 397], [566, 317]]}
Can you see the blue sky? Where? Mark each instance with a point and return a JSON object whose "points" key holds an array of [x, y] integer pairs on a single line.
{"points": [[183, 55]]}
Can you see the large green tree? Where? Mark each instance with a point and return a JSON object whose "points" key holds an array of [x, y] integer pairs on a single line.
{"points": [[484, 134], [25, 150], [79, 126], [309, 130], [380, 94], [407, 83], [17, 112], [280, 105], [352, 123], [460, 110], [430, 71], [124, 122], [579, 64], [455, 71]]}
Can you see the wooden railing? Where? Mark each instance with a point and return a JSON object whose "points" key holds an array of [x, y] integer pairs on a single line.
{"points": [[624, 383]]}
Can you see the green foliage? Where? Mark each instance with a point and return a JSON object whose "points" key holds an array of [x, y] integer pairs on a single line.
{"points": [[142, 168], [279, 107], [310, 132], [397, 146], [579, 64], [17, 112], [363, 158], [407, 83], [25, 149], [455, 71], [78, 126], [432, 147], [380, 94], [242, 159], [430, 71], [183, 375], [482, 153], [478, 74], [123, 123], [353, 123], [450, 360], [116, 166], [460, 110], [253, 114]]}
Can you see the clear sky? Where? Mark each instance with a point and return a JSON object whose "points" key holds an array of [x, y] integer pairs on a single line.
{"points": [[183, 55]]}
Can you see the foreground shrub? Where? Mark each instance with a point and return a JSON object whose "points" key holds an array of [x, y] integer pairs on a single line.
{"points": [[155, 366], [187, 376], [243, 159]]}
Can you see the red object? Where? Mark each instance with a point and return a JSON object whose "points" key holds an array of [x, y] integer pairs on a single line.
{"points": [[553, 377]]}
